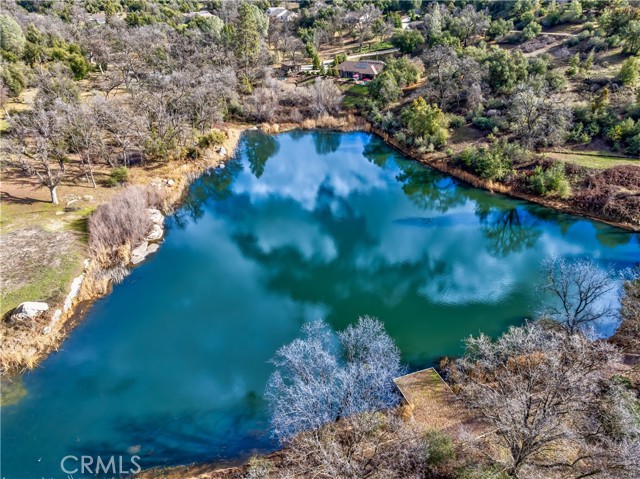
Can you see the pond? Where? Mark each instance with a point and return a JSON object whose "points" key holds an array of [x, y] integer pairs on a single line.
{"points": [[298, 226]]}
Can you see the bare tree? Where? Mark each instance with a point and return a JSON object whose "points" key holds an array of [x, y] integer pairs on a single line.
{"points": [[451, 77], [537, 115], [578, 292], [37, 146], [319, 379], [122, 127], [326, 97], [361, 22], [292, 48], [262, 103], [83, 136], [467, 23], [370, 445], [538, 388]]}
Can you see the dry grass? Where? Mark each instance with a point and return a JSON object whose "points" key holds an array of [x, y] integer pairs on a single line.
{"points": [[24, 345], [435, 407]]}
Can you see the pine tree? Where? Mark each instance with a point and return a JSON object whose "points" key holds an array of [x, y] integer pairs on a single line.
{"points": [[246, 35]]}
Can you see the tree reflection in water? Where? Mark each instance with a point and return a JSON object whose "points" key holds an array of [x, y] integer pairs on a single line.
{"points": [[259, 147], [326, 142], [508, 229]]}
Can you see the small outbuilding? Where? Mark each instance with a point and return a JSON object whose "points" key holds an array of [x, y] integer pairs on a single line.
{"points": [[360, 69], [281, 14]]}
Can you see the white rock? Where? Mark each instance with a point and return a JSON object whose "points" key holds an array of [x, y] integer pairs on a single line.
{"points": [[57, 314], [156, 233], [139, 253], [29, 310], [75, 289], [155, 216], [171, 182], [152, 248], [222, 151]]}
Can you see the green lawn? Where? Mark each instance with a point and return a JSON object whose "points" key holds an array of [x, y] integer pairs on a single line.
{"points": [[594, 159], [354, 96], [376, 47]]}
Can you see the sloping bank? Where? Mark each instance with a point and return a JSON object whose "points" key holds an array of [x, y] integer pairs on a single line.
{"points": [[136, 214]]}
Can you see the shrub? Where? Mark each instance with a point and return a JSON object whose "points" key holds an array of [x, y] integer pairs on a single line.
{"points": [[427, 122], [485, 123], [440, 448], [407, 40], [550, 181], [456, 121], [258, 468], [13, 78], [630, 71], [118, 176], [214, 138], [499, 28], [495, 163], [121, 222], [531, 31]]}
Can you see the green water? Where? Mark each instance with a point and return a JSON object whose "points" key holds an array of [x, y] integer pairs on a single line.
{"points": [[299, 226]]}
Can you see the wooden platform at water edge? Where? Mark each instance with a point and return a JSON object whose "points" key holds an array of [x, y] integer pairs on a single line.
{"points": [[436, 407]]}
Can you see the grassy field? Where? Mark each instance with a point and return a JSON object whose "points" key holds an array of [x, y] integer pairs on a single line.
{"points": [[354, 94], [594, 159], [376, 47]]}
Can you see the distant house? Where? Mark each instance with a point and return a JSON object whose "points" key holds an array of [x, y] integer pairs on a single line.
{"points": [[360, 70], [289, 67], [281, 14], [201, 13], [99, 18]]}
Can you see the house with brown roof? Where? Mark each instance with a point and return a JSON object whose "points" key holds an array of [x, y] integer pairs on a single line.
{"points": [[360, 69]]}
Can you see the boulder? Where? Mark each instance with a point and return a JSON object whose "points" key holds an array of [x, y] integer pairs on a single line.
{"points": [[29, 310], [171, 182], [139, 253], [73, 292], [156, 233], [222, 151], [152, 248], [155, 216]]}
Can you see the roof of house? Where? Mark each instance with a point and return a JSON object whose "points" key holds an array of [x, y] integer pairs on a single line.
{"points": [[276, 11], [201, 13], [363, 67], [281, 13]]}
